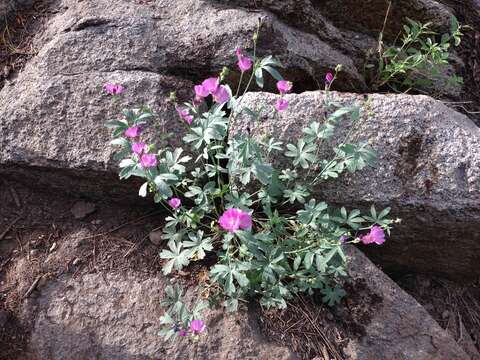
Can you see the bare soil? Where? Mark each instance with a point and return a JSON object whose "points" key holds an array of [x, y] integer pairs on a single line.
{"points": [[36, 246], [16, 37], [455, 307]]}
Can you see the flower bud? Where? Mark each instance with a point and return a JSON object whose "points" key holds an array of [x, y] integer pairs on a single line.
{"points": [[338, 68], [224, 73]]}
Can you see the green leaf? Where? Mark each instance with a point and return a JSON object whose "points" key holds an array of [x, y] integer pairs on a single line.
{"points": [[177, 258], [259, 77], [303, 153], [163, 188], [332, 296], [198, 245], [263, 172], [275, 74]]}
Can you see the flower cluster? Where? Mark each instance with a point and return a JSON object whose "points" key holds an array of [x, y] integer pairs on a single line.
{"points": [[211, 86], [231, 204]]}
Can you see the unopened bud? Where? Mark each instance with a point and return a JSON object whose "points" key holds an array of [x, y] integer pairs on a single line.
{"points": [[338, 68], [173, 96], [224, 73]]}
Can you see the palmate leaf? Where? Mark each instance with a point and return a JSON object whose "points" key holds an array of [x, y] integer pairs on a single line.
{"points": [[299, 193], [332, 296], [176, 257], [263, 172], [303, 153], [198, 245], [352, 219], [311, 212]]}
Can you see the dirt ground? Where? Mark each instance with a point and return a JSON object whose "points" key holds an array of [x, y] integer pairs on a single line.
{"points": [[32, 228]]}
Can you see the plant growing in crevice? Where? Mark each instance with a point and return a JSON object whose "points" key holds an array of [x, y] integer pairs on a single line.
{"points": [[418, 61], [229, 202]]}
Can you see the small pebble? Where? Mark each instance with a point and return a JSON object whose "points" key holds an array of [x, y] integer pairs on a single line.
{"points": [[82, 209], [155, 237], [34, 252], [445, 314]]}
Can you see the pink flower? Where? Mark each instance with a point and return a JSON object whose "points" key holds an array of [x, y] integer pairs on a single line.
{"points": [[235, 219], [197, 327], [244, 62], [284, 86], [200, 91], [210, 85], [133, 131], [175, 203], [185, 115], [221, 96], [281, 104], [139, 148], [329, 77], [376, 235], [148, 160], [113, 89], [182, 333]]}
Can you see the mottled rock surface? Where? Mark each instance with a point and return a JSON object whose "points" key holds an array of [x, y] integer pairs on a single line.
{"points": [[428, 171], [401, 328], [117, 317]]}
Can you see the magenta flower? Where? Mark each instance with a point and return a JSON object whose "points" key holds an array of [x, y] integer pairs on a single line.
{"points": [[284, 86], [185, 115], [113, 89], [182, 333], [281, 104], [175, 203], [197, 327], [200, 91], [221, 96], [133, 131], [235, 219], [329, 77], [244, 62], [148, 160], [376, 235], [210, 85], [343, 239], [139, 148]]}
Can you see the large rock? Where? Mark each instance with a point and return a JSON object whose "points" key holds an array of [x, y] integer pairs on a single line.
{"points": [[190, 38], [400, 328], [428, 171], [115, 316], [52, 114]]}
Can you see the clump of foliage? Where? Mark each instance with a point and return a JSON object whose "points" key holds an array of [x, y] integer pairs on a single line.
{"points": [[228, 202], [419, 60]]}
